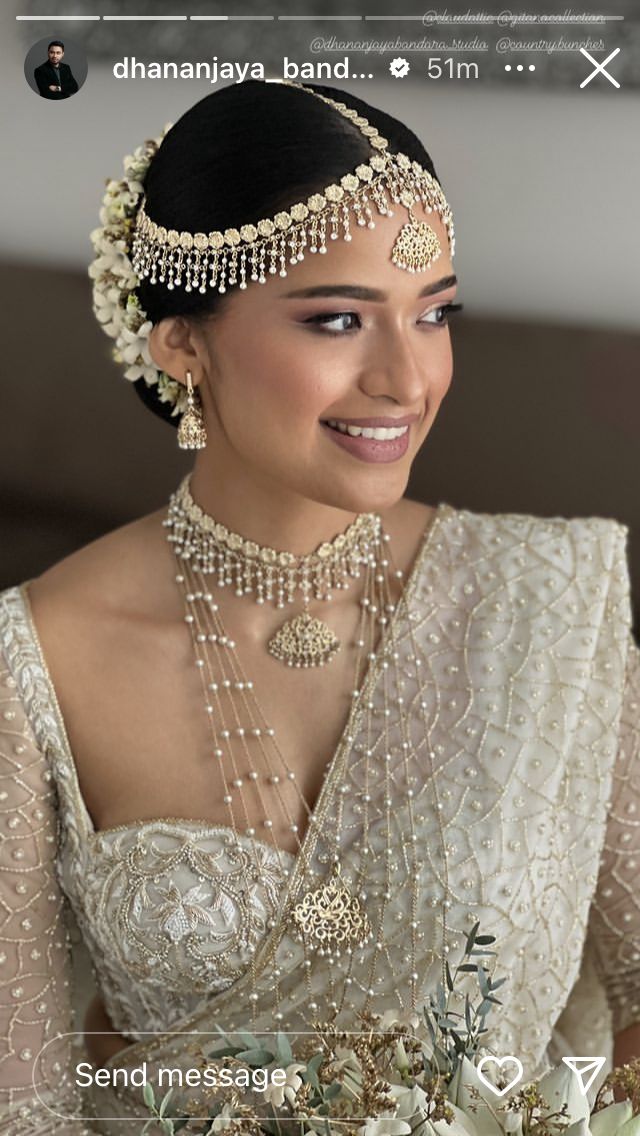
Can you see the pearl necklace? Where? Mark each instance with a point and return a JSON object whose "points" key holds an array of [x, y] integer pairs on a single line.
{"points": [[329, 920], [275, 576]]}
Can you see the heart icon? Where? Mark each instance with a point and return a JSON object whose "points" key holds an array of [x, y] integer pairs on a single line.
{"points": [[500, 1061]]}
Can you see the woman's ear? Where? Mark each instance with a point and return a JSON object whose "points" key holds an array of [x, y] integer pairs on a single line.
{"points": [[174, 349]]}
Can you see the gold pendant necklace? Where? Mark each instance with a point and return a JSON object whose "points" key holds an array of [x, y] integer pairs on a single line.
{"points": [[329, 917], [275, 576], [304, 642]]}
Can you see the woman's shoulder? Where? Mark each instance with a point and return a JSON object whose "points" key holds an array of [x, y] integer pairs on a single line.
{"points": [[530, 530], [474, 553], [112, 578], [113, 572]]}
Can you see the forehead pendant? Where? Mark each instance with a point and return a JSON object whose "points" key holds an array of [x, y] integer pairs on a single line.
{"points": [[417, 245]]}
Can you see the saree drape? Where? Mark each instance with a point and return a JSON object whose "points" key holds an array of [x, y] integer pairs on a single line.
{"points": [[513, 642]]}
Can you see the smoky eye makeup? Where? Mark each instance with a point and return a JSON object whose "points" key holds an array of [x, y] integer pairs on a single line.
{"points": [[325, 322]]}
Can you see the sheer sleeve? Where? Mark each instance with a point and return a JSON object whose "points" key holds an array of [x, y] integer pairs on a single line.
{"points": [[37, 1081], [614, 923]]}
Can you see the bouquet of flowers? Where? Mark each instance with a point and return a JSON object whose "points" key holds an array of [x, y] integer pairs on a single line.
{"points": [[384, 1081]]}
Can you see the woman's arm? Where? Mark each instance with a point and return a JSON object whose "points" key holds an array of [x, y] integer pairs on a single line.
{"points": [[37, 1072]]}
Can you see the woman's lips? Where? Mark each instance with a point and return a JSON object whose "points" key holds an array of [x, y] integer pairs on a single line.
{"points": [[370, 449]]}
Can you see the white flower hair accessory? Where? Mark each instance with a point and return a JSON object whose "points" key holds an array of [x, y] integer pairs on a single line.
{"points": [[115, 303]]}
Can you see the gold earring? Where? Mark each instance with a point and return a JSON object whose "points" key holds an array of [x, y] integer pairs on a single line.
{"points": [[192, 434]]}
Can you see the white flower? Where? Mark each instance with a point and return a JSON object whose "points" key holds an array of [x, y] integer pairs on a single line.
{"points": [[275, 1094], [103, 307], [610, 1119], [392, 1018], [139, 371], [384, 1126], [512, 1124], [630, 1127], [114, 302], [169, 390], [410, 1101], [466, 1078], [560, 1086], [463, 1123]]}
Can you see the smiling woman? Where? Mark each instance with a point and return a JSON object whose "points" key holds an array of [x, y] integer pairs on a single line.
{"points": [[452, 739]]}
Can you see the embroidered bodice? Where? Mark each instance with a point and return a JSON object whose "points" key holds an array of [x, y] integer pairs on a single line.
{"points": [[522, 631]]}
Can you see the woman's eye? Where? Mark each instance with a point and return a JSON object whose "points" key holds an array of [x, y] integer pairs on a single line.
{"points": [[334, 321], [339, 323], [441, 314]]}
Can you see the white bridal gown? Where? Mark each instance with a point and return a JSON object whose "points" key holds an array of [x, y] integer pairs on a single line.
{"points": [[521, 632]]}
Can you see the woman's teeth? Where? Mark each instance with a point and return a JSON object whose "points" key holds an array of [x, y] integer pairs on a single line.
{"points": [[381, 433]]}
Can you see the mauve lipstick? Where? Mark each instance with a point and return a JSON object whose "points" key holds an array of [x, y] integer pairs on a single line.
{"points": [[372, 449]]}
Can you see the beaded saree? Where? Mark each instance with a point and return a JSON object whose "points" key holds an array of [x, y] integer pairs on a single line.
{"points": [[521, 685]]}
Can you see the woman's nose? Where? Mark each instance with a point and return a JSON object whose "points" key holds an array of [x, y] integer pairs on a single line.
{"points": [[396, 369]]}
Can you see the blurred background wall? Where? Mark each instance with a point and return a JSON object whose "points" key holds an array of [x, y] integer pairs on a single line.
{"points": [[543, 415]]}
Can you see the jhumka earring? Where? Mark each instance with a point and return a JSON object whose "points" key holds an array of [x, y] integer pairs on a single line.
{"points": [[192, 434]]}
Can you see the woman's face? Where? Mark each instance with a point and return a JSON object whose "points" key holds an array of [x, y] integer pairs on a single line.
{"points": [[343, 336]]}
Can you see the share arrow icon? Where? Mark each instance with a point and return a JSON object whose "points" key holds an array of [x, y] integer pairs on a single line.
{"points": [[582, 1066]]}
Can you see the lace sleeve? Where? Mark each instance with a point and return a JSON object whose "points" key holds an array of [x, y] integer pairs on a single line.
{"points": [[35, 992], [614, 923]]}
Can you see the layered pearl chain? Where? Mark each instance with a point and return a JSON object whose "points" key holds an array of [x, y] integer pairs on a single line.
{"points": [[330, 920]]}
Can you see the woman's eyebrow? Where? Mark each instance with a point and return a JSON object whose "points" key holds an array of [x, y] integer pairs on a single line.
{"points": [[359, 292]]}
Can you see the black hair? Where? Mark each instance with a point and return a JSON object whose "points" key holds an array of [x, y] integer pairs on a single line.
{"points": [[243, 153], [56, 43]]}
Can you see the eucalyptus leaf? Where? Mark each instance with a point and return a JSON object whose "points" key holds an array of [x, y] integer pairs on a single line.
{"points": [[471, 937], [310, 1074], [148, 1095], [256, 1057], [225, 1051], [482, 981], [284, 1049], [164, 1102], [334, 1089]]}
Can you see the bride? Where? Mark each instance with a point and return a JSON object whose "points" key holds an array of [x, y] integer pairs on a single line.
{"points": [[293, 683]]}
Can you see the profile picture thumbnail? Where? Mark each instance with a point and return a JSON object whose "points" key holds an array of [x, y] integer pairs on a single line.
{"points": [[55, 68]]}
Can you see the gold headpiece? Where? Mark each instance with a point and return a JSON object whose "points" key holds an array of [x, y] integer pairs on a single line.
{"points": [[221, 259]]}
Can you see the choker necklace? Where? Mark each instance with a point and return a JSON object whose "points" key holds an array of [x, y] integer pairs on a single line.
{"points": [[273, 576]]}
